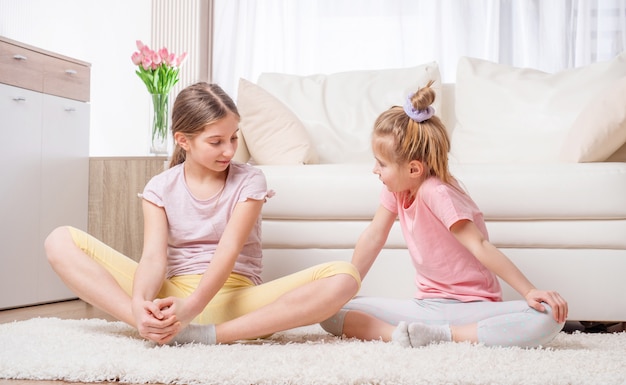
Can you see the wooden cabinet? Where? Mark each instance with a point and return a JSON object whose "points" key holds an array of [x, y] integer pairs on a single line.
{"points": [[35, 69], [45, 166], [115, 215]]}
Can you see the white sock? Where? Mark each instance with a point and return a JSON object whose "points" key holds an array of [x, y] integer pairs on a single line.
{"points": [[400, 335], [422, 335], [202, 334], [418, 334]]}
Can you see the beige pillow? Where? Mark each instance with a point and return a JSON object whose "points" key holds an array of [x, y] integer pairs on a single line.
{"points": [[508, 114], [619, 155], [600, 128], [272, 132]]}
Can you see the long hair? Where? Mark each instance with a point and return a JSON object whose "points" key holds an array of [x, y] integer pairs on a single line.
{"points": [[196, 106], [407, 139]]}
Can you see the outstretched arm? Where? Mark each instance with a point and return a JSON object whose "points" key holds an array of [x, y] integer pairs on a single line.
{"points": [[472, 238], [151, 322], [372, 240]]}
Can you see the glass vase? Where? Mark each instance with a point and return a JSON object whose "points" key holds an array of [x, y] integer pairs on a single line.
{"points": [[159, 124]]}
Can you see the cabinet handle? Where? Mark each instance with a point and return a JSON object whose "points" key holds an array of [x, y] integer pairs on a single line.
{"points": [[71, 72], [19, 99], [19, 57]]}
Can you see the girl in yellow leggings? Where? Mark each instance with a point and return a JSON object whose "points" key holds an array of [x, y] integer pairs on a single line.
{"points": [[198, 279]]}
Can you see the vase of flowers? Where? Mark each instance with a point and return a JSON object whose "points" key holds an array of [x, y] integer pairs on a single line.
{"points": [[159, 72]]}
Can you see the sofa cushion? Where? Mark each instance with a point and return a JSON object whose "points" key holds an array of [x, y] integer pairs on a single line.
{"points": [[339, 110], [523, 191], [509, 114], [273, 133], [600, 129]]}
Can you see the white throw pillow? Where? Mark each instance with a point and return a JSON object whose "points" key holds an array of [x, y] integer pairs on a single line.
{"points": [[600, 129], [339, 110], [272, 133], [509, 114]]}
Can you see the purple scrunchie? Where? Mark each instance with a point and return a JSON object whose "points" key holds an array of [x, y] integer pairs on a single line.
{"points": [[417, 115]]}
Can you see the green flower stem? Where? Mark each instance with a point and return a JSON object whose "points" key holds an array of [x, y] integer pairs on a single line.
{"points": [[160, 118]]}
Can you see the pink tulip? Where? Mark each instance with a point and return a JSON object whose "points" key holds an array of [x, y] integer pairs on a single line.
{"points": [[146, 63], [181, 59], [136, 58], [156, 58], [150, 61], [146, 51]]}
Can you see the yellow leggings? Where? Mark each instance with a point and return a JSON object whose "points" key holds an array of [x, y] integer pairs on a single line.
{"points": [[238, 296]]}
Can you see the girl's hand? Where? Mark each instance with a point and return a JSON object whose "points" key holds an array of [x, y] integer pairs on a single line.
{"points": [[177, 308], [535, 297], [155, 322]]}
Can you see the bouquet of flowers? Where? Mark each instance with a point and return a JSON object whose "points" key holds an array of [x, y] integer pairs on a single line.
{"points": [[159, 72]]}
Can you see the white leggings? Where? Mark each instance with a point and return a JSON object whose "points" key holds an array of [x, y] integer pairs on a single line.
{"points": [[510, 323]]}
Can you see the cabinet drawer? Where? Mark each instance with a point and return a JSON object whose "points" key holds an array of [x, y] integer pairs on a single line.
{"points": [[21, 67], [66, 79], [42, 71]]}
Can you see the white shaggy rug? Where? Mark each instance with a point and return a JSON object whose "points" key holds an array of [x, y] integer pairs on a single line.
{"points": [[94, 350]]}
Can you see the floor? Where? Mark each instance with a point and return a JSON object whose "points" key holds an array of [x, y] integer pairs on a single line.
{"points": [[75, 309]]}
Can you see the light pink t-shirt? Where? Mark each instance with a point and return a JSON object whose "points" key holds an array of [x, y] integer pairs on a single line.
{"points": [[444, 267], [195, 226]]}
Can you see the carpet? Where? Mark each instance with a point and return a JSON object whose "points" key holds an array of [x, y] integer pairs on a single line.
{"points": [[94, 350]]}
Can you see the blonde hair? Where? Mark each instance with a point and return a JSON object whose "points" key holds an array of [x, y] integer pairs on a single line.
{"points": [[409, 140], [196, 106]]}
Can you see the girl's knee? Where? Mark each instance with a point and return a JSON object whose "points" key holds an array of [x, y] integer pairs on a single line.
{"points": [[346, 270], [546, 328], [549, 324], [341, 277], [57, 243]]}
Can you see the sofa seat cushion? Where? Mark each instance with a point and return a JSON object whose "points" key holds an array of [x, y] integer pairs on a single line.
{"points": [[527, 191], [546, 191], [544, 234]]}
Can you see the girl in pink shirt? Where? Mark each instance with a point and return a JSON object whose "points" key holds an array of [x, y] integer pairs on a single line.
{"points": [[458, 296], [198, 279]]}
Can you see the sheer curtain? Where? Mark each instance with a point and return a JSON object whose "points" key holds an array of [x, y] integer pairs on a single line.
{"points": [[325, 36]]}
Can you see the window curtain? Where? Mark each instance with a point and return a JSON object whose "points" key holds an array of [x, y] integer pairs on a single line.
{"points": [[324, 36]]}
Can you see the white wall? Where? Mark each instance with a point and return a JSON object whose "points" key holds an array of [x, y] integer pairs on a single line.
{"points": [[102, 33]]}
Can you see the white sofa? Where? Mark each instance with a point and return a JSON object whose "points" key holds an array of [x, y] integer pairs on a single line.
{"points": [[543, 155]]}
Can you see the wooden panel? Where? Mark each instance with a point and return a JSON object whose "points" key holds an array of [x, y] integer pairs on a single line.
{"points": [[115, 215], [67, 79], [21, 67], [35, 69]]}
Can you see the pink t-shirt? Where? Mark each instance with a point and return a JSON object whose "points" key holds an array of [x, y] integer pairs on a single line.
{"points": [[444, 267], [195, 226]]}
